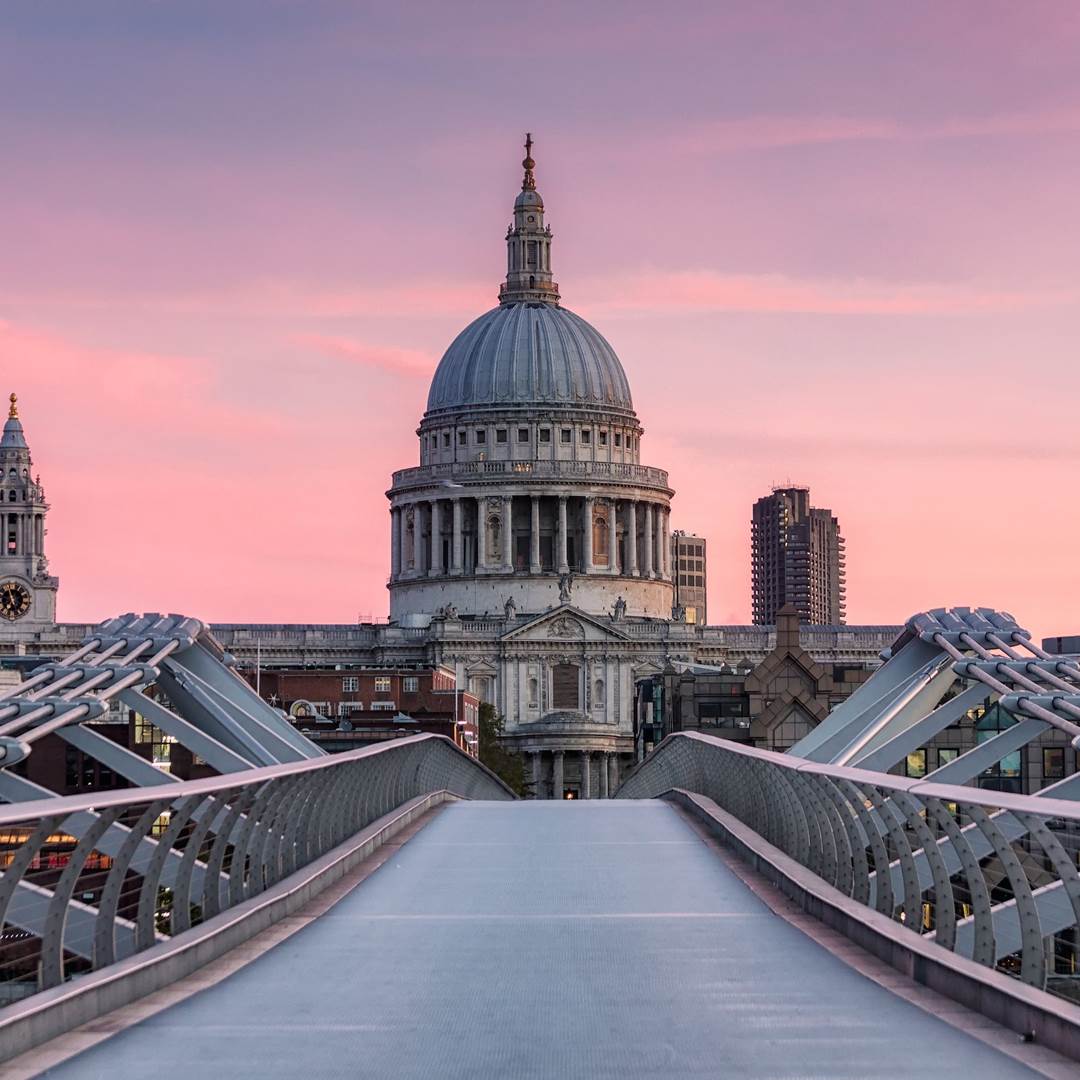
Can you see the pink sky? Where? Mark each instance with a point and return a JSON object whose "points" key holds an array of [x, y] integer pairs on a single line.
{"points": [[833, 243]]}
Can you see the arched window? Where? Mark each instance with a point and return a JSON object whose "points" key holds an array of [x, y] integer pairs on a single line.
{"points": [[11, 495], [534, 692], [598, 693]]}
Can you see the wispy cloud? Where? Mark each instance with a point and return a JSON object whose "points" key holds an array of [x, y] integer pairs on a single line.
{"points": [[408, 362], [704, 290]]}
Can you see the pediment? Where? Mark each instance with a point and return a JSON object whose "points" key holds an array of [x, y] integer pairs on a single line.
{"points": [[565, 623]]}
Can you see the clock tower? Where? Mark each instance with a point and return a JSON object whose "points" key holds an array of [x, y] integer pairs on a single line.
{"points": [[27, 591]]}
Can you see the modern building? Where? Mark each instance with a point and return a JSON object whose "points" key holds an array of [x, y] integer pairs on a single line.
{"points": [[797, 558], [341, 707], [689, 575], [531, 553]]}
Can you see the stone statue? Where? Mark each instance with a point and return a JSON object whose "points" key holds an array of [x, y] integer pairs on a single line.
{"points": [[620, 609], [450, 611], [566, 583], [510, 610]]}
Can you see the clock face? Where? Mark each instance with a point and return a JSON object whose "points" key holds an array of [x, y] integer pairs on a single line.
{"points": [[14, 600]]}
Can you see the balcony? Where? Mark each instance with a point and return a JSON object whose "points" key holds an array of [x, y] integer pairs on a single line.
{"points": [[618, 471]]}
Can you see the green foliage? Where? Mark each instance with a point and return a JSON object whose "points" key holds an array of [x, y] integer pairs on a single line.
{"points": [[508, 767]]}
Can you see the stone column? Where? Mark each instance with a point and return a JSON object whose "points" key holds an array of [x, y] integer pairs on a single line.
{"points": [[418, 537], [557, 774], [395, 543], [508, 532], [631, 540], [667, 542], [481, 533], [436, 540], [537, 765], [455, 553], [588, 534], [613, 538], [661, 561], [564, 566], [534, 536], [403, 540], [604, 793], [648, 570], [613, 773], [586, 774]]}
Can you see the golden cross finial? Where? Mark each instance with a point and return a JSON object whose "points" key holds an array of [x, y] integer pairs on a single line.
{"points": [[529, 183], [13, 412]]}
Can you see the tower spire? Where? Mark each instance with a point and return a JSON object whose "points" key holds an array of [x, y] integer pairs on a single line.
{"points": [[528, 245], [529, 183]]}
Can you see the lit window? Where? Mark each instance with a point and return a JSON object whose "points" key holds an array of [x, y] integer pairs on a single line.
{"points": [[382, 684]]}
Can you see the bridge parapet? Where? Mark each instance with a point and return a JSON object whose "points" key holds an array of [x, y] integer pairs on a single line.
{"points": [[987, 875], [90, 880]]}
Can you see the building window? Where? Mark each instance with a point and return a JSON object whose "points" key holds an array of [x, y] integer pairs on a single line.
{"points": [[603, 438], [545, 434], [446, 438], [383, 706], [462, 438], [566, 435], [534, 691], [618, 439], [946, 754], [916, 763], [382, 684], [411, 684], [500, 435], [565, 692], [586, 436], [1053, 762], [350, 684], [523, 434], [481, 436]]}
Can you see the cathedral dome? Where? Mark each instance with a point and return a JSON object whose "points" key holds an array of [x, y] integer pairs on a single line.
{"points": [[530, 354]]}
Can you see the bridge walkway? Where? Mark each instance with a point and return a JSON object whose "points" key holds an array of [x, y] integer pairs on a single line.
{"points": [[545, 939]]}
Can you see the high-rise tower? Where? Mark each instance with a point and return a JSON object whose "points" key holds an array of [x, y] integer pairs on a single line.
{"points": [[797, 557], [27, 592]]}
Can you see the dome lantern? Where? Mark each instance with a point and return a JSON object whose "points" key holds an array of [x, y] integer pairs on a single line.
{"points": [[528, 245]]}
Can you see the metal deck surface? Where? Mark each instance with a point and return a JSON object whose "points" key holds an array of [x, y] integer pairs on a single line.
{"points": [[545, 939]]}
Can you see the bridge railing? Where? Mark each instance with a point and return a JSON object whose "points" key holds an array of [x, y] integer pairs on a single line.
{"points": [[989, 875], [89, 880]]}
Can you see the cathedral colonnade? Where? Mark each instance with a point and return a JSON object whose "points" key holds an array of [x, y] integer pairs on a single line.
{"points": [[579, 774], [530, 533]]}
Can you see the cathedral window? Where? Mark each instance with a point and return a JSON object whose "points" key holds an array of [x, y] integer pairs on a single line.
{"points": [[500, 435], [534, 691], [446, 438], [586, 436], [481, 436], [598, 693], [523, 434], [603, 438], [567, 435], [11, 495], [618, 439], [565, 686], [531, 256], [545, 435], [462, 438]]}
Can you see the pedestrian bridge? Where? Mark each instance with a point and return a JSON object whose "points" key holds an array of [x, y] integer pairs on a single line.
{"points": [[541, 939], [394, 911]]}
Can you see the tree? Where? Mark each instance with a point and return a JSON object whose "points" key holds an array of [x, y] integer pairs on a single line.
{"points": [[508, 767]]}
